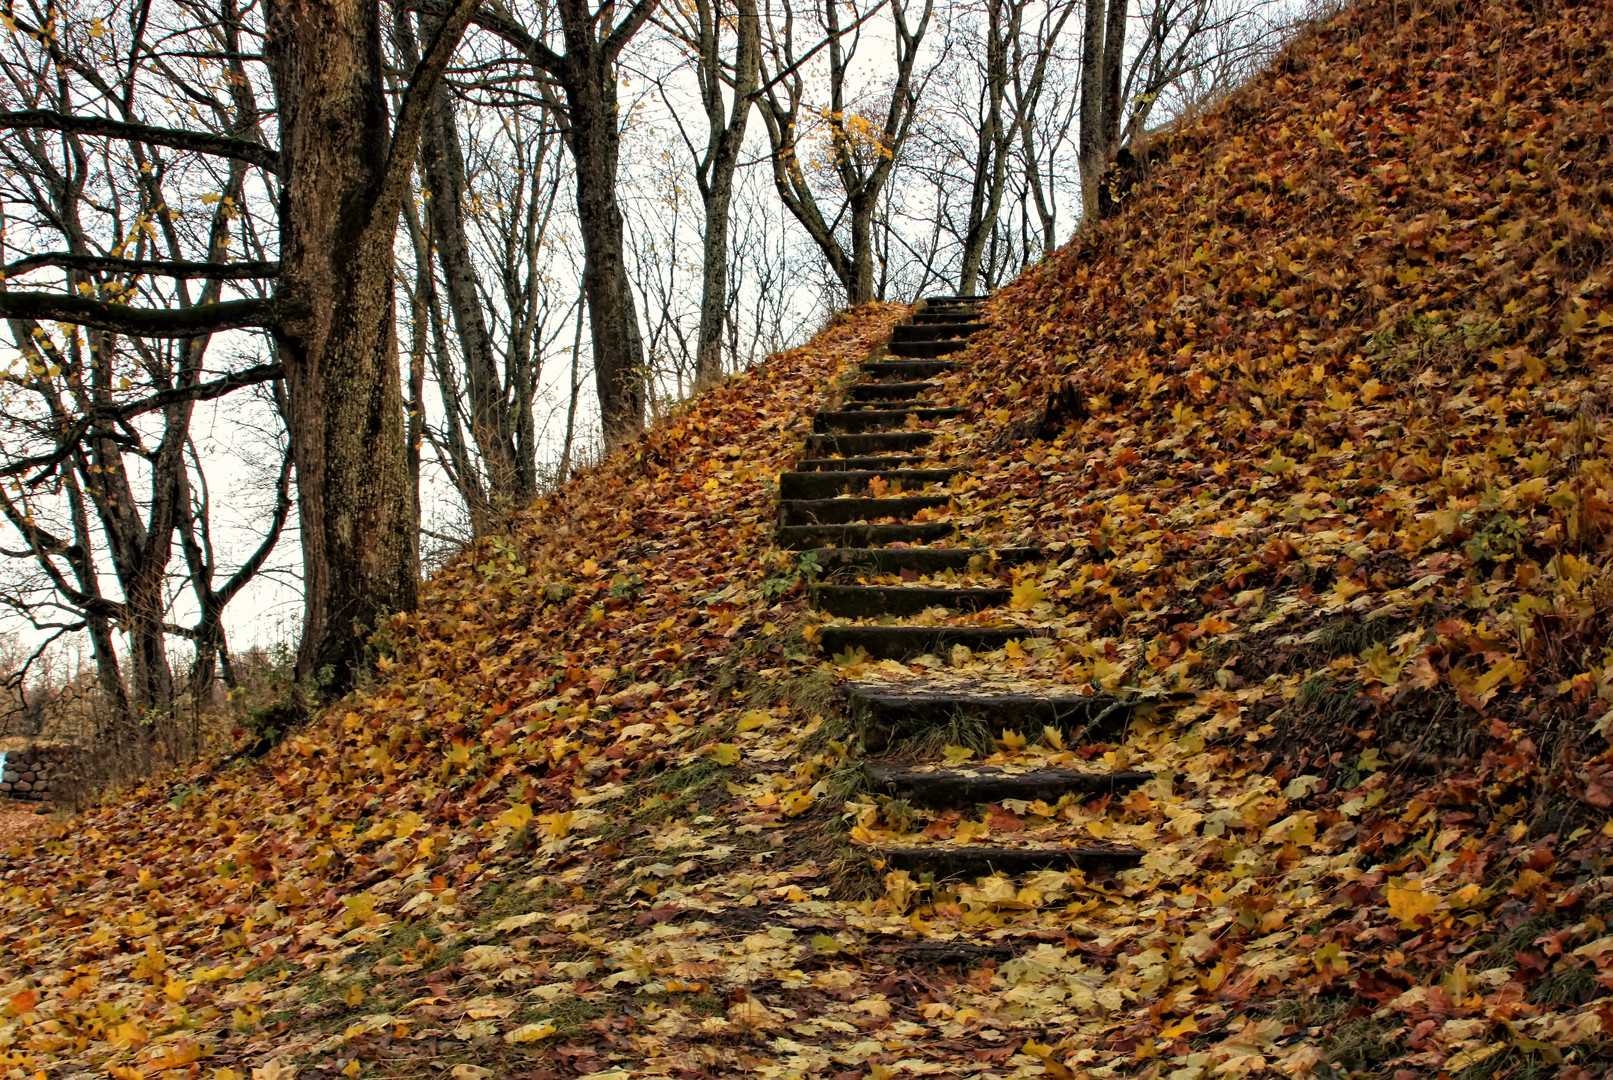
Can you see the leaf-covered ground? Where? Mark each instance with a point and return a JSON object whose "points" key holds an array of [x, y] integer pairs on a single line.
{"points": [[1317, 431]]}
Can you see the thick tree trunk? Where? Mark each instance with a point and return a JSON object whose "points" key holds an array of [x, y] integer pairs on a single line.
{"points": [[338, 342], [612, 314], [1101, 55]]}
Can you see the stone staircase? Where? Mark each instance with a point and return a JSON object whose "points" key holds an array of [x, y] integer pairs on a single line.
{"points": [[860, 501]]}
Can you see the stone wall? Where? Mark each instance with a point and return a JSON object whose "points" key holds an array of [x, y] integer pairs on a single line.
{"points": [[51, 772]]}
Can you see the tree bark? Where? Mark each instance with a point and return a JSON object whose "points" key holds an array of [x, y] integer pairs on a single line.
{"points": [[594, 136], [1101, 54], [714, 173], [494, 421], [344, 172]]}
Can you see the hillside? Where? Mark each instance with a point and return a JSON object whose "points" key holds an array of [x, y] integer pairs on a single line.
{"points": [[1314, 439]]}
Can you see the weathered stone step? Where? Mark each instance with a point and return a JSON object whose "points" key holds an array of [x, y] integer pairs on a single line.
{"points": [[924, 350], [881, 464], [943, 300], [920, 560], [845, 511], [932, 316], [822, 483], [872, 442], [935, 331], [895, 391], [888, 403], [902, 642], [869, 601], [878, 419], [978, 860], [802, 537], [965, 787], [907, 369], [885, 709]]}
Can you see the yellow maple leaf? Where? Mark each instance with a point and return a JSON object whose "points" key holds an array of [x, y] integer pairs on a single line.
{"points": [[528, 1033], [1408, 902], [516, 816], [752, 720], [1026, 595]]}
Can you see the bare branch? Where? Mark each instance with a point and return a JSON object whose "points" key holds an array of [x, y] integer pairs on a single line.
{"points": [[196, 141], [174, 268], [140, 322]]}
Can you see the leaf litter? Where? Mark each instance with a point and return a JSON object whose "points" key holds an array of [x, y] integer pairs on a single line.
{"points": [[1315, 438]]}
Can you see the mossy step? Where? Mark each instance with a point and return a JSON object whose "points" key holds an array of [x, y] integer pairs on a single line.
{"points": [[851, 420], [935, 331], [978, 860], [920, 560], [966, 787], [803, 537], [885, 709], [880, 465], [871, 601], [896, 391], [845, 511], [823, 483], [903, 642], [909, 369], [924, 350], [888, 403], [868, 442]]}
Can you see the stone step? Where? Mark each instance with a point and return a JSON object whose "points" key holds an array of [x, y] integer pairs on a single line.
{"points": [[965, 787], [804, 537], [904, 642], [943, 300], [878, 419], [925, 350], [887, 403], [920, 560], [822, 483], [904, 370], [882, 464], [978, 860], [896, 391], [871, 601], [933, 316], [935, 331], [885, 710], [846, 511], [872, 442]]}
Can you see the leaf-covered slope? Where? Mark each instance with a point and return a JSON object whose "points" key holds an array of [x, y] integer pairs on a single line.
{"points": [[1324, 458], [541, 670]]}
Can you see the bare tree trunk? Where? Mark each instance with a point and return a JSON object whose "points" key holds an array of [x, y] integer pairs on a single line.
{"points": [[862, 170], [493, 417], [612, 314], [344, 172], [1101, 54], [991, 151], [714, 172]]}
